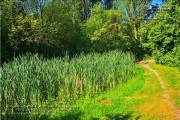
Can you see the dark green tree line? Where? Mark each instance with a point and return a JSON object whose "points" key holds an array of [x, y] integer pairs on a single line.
{"points": [[52, 28], [161, 36]]}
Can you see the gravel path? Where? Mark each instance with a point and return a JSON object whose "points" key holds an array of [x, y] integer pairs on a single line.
{"points": [[166, 96]]}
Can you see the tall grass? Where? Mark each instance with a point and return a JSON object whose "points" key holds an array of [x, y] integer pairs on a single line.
{"points": [[32, 80]]}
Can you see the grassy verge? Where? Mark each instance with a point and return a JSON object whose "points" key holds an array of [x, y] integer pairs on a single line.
{"points": [[171, 78], [155, 108], [135, 99], [139, 98], [118, 103]]}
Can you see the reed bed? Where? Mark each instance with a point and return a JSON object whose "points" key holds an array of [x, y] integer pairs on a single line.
{"points": [[33, 80]]}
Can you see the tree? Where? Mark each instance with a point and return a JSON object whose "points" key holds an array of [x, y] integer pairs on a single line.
{"points": [[161, 35], [136, 12], [49, 29], [86, 6], [106, 29]]}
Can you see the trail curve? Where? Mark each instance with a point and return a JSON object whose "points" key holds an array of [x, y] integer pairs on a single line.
{"points": [[166, 97]]}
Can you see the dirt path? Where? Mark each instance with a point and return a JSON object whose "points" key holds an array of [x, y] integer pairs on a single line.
{"points": [[166, 97]]}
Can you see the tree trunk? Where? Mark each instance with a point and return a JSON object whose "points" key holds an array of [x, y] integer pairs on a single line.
{"points": [[135, 31]]}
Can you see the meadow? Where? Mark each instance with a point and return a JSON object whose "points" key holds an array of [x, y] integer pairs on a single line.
{"points": [[95, 86], [32, 81]]}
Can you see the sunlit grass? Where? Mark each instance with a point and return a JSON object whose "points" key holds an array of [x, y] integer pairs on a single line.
{"points": [[117, 103], [140, 98], [154, 108], [98, 86], [171, 78]]}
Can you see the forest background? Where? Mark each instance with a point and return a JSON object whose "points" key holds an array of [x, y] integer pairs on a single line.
{"points": [[59, 27]]}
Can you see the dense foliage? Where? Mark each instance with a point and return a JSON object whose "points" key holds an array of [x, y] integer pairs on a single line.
{"points": [[55, 27], [161, 36], [49, 30], [32, 81], [52, 28]]}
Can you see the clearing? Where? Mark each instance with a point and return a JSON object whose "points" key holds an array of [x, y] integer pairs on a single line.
{"points": [[153, 95]]}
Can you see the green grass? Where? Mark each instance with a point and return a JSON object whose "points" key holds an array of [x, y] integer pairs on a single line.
{"points": [[139, 98], [34, 81], [171, 77], [92, 87], [117, 103], [151, 85]]}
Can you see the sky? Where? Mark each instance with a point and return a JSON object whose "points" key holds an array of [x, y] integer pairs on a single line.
{"points": [[154, 2]]}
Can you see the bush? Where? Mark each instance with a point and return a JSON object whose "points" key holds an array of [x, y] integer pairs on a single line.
{"points": [[171, 58]]}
